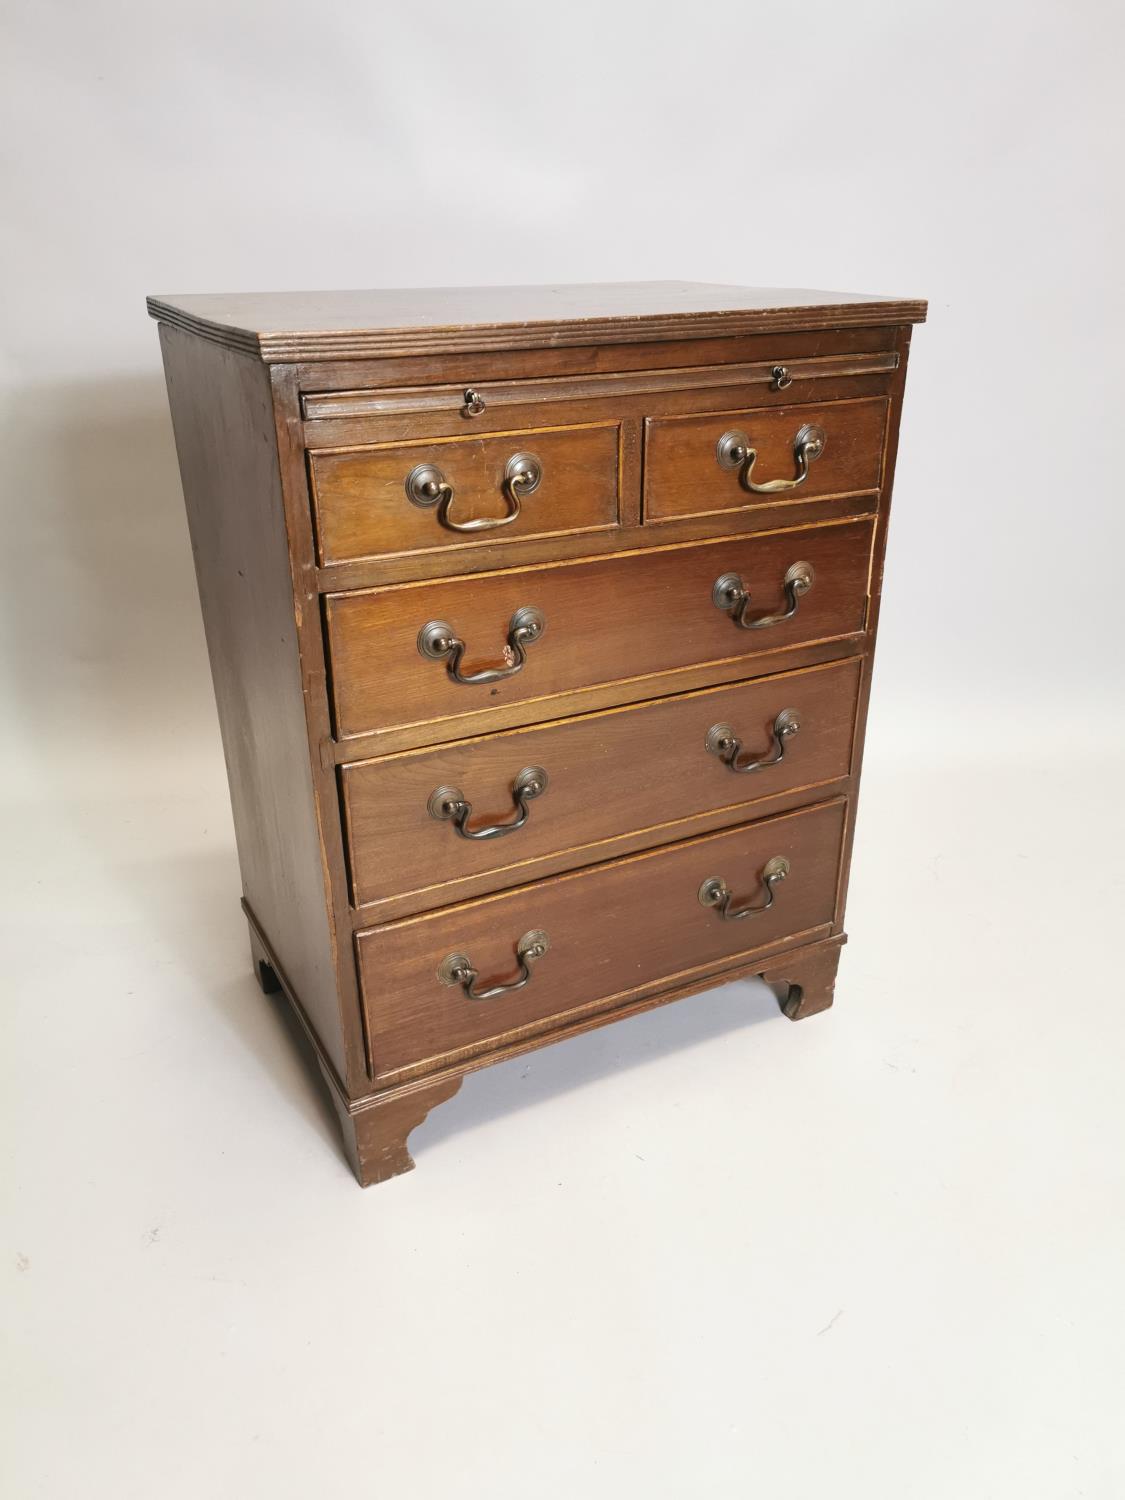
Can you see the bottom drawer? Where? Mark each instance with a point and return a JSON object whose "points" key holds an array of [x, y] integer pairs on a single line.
{"points": [[611, 933]]}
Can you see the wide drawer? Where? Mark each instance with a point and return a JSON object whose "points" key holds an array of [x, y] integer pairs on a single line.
{"points": [[611, 933], [733, 460], [389, 498], [570, 790], [394, 650]]}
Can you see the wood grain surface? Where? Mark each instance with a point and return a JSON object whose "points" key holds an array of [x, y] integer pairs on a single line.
{"points": [[223, 416], [362, 507], [352, 324], [683, 476], [614, 929], [634, 770], [639, 615]]}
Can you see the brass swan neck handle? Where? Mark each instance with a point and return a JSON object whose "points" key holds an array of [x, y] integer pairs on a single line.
{"points": [[457, 968]]}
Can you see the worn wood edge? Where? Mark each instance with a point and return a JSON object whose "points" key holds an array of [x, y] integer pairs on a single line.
{"points": [[384, 444], [474, 558], [638, 856], [579, 702], [435, 565], [312, 345], [382, 910], [413, 752], [833, 497], [465, 552], [347, 744], [550, 564], [468, 549]]}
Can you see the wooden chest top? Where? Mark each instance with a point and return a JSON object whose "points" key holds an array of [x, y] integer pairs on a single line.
{"points": [[281, 327]]}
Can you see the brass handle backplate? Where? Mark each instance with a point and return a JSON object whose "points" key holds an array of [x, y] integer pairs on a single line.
{"points": [[715, 892], [457, 968], [735, 451], [723, 742], [438, 642], [731, 594], [448, 804], [427, 486]]}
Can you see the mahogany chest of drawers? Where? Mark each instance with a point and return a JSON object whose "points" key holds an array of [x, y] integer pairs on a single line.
{"points": [[541, 624]]}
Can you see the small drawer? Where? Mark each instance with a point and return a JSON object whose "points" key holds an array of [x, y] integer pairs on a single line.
{"points": [[422, 824], [386, 499], [412, 655], [467, 979], [735, 460]]}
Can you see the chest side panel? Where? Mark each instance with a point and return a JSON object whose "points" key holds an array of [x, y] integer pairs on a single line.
{"points": [[222, 413]]}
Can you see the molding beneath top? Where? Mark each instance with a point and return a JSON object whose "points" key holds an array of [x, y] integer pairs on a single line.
{"points": [[300, 347]]}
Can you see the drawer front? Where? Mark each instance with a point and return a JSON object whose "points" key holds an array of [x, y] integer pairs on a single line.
{"points": [[703, 465], [613, 932], [600, 777], [626, 617], [477, 398], [464, 490]]}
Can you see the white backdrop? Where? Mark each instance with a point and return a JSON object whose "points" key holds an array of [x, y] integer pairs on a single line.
{"points": [[970, 153], [966, 152]]}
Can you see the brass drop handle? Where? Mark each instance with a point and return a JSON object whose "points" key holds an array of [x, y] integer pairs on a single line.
{"points": [[457, 968], [734, 451], [723, 742], [438, 642], [731, 594], [427, 486], [716, 893], [448, 804]]}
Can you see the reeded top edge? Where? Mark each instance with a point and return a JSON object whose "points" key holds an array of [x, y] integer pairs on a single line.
{"points": [[292, 327]]}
